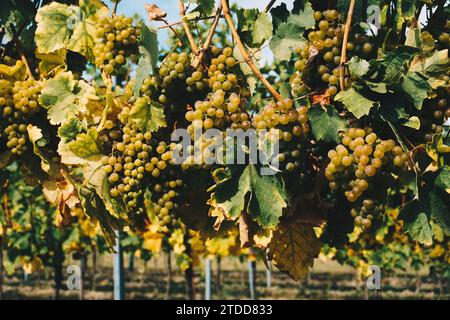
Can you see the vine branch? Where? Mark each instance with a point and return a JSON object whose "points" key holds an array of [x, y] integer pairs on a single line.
{"points": [[116, 3], [208, 41], [269, 6], [187, 29], [348, 24], [245, 55], [180, 40]]}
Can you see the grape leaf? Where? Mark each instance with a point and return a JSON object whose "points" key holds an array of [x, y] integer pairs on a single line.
{"points": [[326, 124], [148, 48], [94, 208], [254, 26], [440, 210], [55, 24], [148, 117], [40, 148], [262, 29], [302, 15], [443, 179], [205, 7], [87, 146], [395, 63], [416, 87], [58, 98], [279, 14], [293, 248], [355, 102], [415, 216], [358, 67], [83, 39], [115, 206], [71, 27], [266, 196], [287, 38], [69, 130]]}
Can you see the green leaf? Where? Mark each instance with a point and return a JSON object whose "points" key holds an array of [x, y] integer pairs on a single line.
{"points": [[326, 125], [440, 211], [262, 29], [148, 48], [263, 197], [69, 130], [442, 180], [378, 87], [415, 216], [358, 67], [302, 15], [205, 7], [279, 14], [58, 98], [55, 26], [355, 102], [254, 26], [416, 87], [149, 116], [396, 63], [287, 38]]}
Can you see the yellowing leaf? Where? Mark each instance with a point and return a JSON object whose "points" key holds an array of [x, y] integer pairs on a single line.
{"points": [[293, 249], [55, 24], [59, 98], [71, 27]]}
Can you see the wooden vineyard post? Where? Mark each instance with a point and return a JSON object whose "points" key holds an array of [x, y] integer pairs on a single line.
{"points": [[207, 279], [119, 283]]}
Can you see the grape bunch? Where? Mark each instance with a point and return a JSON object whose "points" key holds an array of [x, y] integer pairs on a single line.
{"points": [[165, 194], [366, 213], [175, 66], [327, 39], [18, 103], [289, 125], [223, 107], [435, 112], [360, 157], [139, 159], [117, 39]]}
